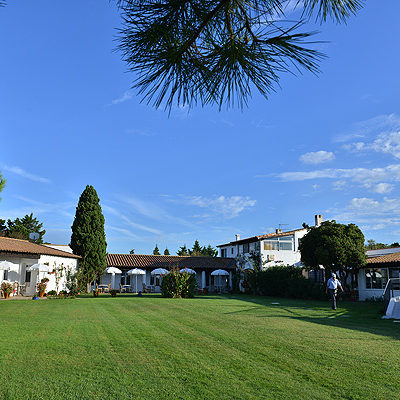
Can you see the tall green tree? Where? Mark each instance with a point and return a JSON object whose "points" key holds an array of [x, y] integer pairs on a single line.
{"points": [[209, 251], [196, 250], [197, 51], [336, 247], [88, 238], [166, 252], [156, 251], [20, 228]]}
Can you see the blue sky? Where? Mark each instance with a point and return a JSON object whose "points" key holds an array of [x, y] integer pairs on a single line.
{"points": [[328, 144]]}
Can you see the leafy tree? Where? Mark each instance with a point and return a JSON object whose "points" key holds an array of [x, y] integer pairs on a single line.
{"points": [[182, 251], [337, 247], [178, 285], [21, 228], [166, 252], [88, 238], [218, 51], [156, 251], [2, 181], [132, 251]]}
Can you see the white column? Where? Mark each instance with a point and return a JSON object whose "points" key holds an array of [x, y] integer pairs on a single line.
{"points": [[203, 279]]}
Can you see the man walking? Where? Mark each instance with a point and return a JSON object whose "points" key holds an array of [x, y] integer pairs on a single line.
{"points": [[331, 289]]}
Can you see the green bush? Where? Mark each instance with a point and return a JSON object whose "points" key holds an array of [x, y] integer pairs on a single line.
{"points": [[51, 293], [285, 281], [178, 285]]}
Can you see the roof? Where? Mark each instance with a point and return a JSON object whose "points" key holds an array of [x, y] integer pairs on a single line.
{"points": [[10, 245], [386, 259], [62, 247], [382, 252], [260, 237], [152, 261]]}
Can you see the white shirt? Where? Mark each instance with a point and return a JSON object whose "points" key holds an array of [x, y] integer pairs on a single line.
{"points": [[333, 284]]}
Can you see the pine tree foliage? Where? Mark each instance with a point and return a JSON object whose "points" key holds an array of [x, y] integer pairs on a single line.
{"points": [[132, 251], [189, 51], [166, 252], [156, 251], [20, 228], [88, 238], [182, 251]]}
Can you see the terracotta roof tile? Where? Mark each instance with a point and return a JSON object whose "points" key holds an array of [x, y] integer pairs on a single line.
{"points": [[9, 245], [386, 259], [152, 261]]}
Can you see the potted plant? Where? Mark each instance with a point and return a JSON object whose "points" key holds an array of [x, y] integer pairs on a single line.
{"points": [[42, 286], [113, 292], [7, 289]]}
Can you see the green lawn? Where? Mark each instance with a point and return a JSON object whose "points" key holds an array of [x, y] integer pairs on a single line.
{"points": [[204, 348]]}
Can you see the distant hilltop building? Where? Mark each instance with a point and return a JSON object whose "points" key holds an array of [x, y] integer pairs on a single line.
{"points": [[275, 248]]}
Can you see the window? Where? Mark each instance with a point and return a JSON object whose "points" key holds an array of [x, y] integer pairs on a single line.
{"points": [[5, 276], [223, 252], [246, 248], [284, 243], [231, 250], [271, 244], [27, 276], [375, 278]]}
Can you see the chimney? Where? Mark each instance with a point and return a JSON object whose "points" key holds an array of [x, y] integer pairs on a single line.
{"points": [[237, 237], [318, 220], [278, 231]]}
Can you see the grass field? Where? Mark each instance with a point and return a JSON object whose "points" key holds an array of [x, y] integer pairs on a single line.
{"points": [[203, 348]]}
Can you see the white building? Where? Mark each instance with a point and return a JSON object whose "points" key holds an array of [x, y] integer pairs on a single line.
{"points": [[25, 254], [279, 248]]}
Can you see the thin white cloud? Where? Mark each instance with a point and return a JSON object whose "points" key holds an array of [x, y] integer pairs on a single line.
{"points": [[125, 97], [24, 174], [381, 123], [386, 143], [228, 207], [381, 188], [126, 220], [317, 157], [361, 175]]}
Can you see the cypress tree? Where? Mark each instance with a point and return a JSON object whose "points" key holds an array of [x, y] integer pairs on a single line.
{"points": [[156, 252], [166, 252], [88, 238]]}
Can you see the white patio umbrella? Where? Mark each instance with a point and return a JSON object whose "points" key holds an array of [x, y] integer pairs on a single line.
{"points": [[248, 267], [220, 272], [188, 270], [159, 271], [9, 266], [113, 271], [39, 268], [136, 271]]}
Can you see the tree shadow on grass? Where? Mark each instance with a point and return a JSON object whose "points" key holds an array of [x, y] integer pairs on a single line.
{"points": [[357, 316]]}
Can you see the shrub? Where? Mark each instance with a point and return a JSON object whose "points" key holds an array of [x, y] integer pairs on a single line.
{"points": [[285, 281], [6, 287], [178, 285], [52, 293], [113, 292]]}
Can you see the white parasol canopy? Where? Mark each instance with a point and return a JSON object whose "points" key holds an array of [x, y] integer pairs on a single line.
{"points": [[188, 270], [136, 272], [159, 271], [8, 266], [248, 267], [113, 271], [40, 268], [220, 272]]}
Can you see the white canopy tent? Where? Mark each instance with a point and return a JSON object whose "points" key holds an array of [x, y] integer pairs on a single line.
{"points": [[188, 270], [113, 271], [136, 272]]}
